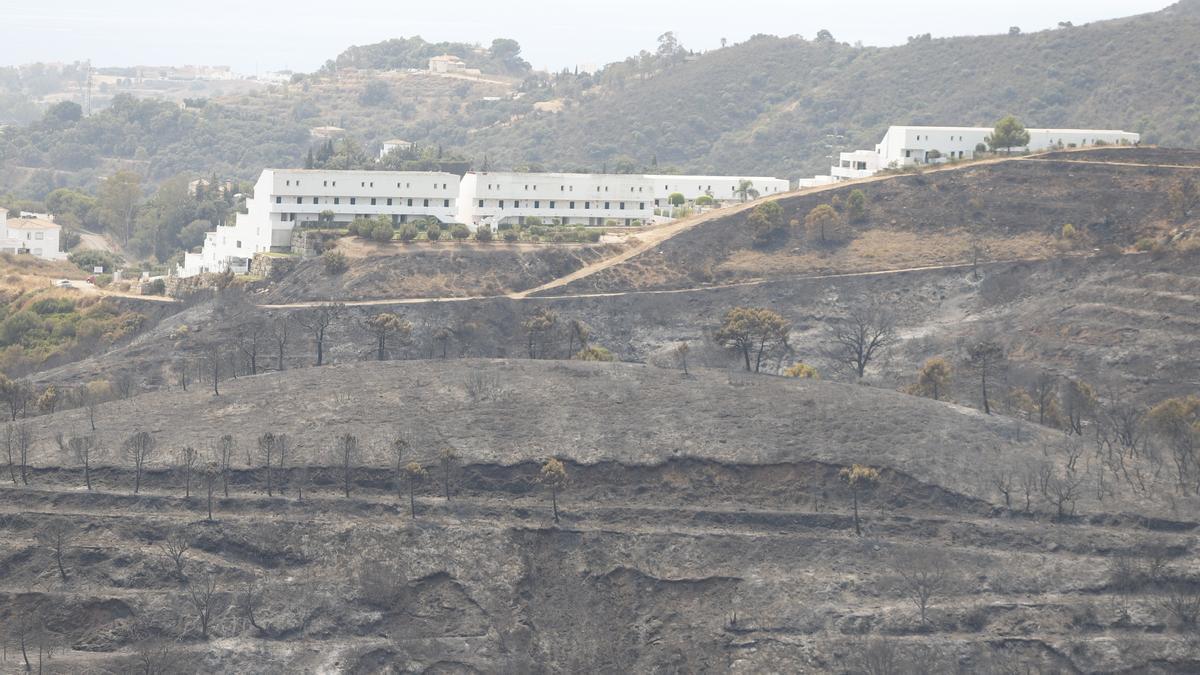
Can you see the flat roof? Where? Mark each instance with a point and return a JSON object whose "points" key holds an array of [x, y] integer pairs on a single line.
{"points": [[1043, 129]]}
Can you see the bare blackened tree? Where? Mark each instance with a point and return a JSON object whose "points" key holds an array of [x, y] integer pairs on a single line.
{"points": [[266, 446], [441, 338], [382, 326], [213, 353], [415, 474], [399, 448], [449, 461], [174, 547], [82, 449], [249, 337], [577, 331], [88, 396], [56, 535], [283, 449], [858, 338], [17, 394], [18, 444], [182, 373], [280, 327], [210, 475], [224, 458], [538, 328], [1044, 392], [317, 322], [347, 450], [202, 590], [986, 358], [925, 574], [303, 477], [138, 449], [187, 464]]}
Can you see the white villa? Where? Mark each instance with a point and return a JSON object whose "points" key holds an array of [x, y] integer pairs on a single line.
{"points": [[908, 146], [30, 236], [285, 198]]}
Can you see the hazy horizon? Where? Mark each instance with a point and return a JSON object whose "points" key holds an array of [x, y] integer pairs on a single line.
{"points": [[273, 35]]}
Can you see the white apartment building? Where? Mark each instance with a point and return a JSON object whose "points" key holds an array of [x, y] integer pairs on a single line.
{"points": [[30, 236], [284, 199], [910, 146], [493, 198]]}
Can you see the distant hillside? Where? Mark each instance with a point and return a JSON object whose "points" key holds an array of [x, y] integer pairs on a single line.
{"points": [[503, 57], [767, 105]]}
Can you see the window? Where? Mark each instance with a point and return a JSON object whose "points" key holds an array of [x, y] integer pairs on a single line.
{"points": [[372, 201], [481, 203], [571, 205], [337, 200], [279, 200], [299, 200], [608, 205], [642, 205], [562, 188], [622, 205], [443, 186], [389, 201], [426, 203], [501, 203], [353, 201], [397, 185], [410, 202], [587, 205], [537, 204], [325, 183], [316, 200], [239, 243], [363, 184], [551, 204], [447, 204], [527, 188], [289, 183], [372, 183], [335, 183]]}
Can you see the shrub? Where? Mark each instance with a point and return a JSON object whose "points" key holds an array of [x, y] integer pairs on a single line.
{"points": [[335, 262], [1068, 231], [460, 232], [88, 259], [408, 232], [510, 236], [1145, 244], [361, 227], [53, 306], [504, 226], [532, 222], [383, 232], [595, 353], [594, 235], [704, 200], [69, 240], [803, 371], [156, 287], [483, 233], [433, 232], [856, 206]]}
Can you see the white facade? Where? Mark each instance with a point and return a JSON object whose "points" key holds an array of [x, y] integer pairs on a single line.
{"points": [[30, 236], [284, 199], [904, 146], [394, 144]]}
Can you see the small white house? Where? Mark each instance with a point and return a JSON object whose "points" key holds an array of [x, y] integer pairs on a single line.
{"points": [[30, 236], [394, 144], [447, 63]]}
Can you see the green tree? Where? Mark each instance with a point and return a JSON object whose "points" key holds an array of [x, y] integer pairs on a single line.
{"points": [[753, 331], [856, 206], [745, 190], [676, 199], [433, 232], [766, 223], [460, 232], [483, 233], [383, 231], [822, 223], [408, 232], [119, 199], [382, 326], [1008, 134], [860, 479]]}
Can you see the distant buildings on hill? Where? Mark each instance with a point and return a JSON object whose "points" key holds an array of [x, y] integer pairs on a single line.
{"points": [[286, 198], [905, 146]]}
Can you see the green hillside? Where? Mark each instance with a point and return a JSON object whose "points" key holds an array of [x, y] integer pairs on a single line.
{"points": [[766, 105]]}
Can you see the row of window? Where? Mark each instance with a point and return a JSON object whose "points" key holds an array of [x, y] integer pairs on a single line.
{"points": [[537, 204], [333, 183], [354, 201]]}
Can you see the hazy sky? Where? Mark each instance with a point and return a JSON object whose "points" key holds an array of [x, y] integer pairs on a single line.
{"points": [[300, 35]]}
